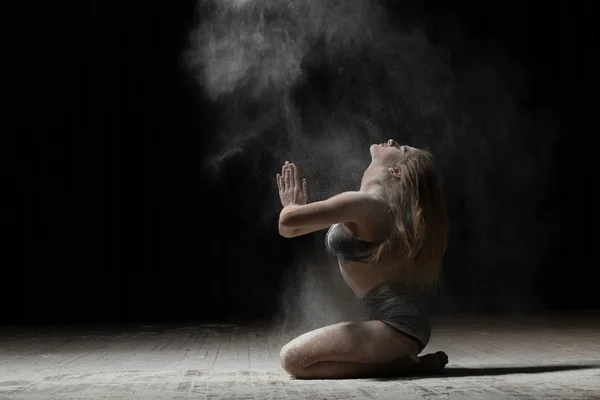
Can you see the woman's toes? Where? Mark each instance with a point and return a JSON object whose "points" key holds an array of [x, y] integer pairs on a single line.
{"points": [[443, 358], [434, 363]]}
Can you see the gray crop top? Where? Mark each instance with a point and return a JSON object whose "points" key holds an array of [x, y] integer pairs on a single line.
{"points": [[342, 244]]}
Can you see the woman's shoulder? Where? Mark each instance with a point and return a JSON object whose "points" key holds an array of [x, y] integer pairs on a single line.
{"points": [[370, 213], [361, 198]]}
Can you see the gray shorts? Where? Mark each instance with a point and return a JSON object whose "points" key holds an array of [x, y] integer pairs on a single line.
{"points": [[402, 309]]}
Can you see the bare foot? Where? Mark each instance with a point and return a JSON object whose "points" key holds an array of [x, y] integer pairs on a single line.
{"points": [[434, 363]]}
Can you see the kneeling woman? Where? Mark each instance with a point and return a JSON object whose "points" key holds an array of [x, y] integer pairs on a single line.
{"points": [[390, 238]]}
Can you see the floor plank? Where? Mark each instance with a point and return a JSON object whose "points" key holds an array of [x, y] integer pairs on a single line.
{"points": [[544, 357]]}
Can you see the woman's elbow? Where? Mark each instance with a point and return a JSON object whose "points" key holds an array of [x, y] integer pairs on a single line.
{"points": [[285, 225], [284, 230], [288, 234]]}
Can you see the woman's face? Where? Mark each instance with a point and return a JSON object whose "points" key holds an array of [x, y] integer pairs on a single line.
{"points": [[389, 153]]}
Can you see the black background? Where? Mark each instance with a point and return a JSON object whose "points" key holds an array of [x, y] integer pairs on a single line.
{"points": [[109, 216]]}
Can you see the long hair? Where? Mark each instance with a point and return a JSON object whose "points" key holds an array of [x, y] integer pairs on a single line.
{"points": [[419, 236]]}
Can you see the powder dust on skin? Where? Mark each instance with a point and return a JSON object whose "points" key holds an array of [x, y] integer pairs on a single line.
{"points": [[316, 81]]}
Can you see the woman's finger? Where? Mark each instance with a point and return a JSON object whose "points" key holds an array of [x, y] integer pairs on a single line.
{"points": [[297, 182], [286, 177], [278, 178], [293, 176], [305, 188]]}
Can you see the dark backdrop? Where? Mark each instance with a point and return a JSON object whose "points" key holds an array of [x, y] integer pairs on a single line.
{"points": [[108, 214]]}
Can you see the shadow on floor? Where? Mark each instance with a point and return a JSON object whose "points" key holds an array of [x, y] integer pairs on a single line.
{"points": [[456, 372]]}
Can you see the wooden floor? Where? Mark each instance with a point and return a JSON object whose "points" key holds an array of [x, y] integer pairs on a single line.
{"points": [[549, 357]]}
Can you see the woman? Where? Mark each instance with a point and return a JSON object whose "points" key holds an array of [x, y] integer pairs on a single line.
{"points": [[390, 238]]}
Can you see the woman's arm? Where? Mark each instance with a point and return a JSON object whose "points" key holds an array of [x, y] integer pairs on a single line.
{"points": [[298, 220]]}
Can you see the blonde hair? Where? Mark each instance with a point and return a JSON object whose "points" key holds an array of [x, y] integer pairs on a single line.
{"points": [[419, 237]]}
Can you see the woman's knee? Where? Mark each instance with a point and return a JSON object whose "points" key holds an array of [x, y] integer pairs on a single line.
{"points": [[291, 356]]}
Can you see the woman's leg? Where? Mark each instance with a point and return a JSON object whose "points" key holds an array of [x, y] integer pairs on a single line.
{"points": [[356, 350]]}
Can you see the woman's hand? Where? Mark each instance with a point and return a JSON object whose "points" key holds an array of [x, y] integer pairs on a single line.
{"points": [[292, 190]]}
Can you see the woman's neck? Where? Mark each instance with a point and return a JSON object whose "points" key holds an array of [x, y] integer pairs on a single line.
{"points": [[372, 181]]}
